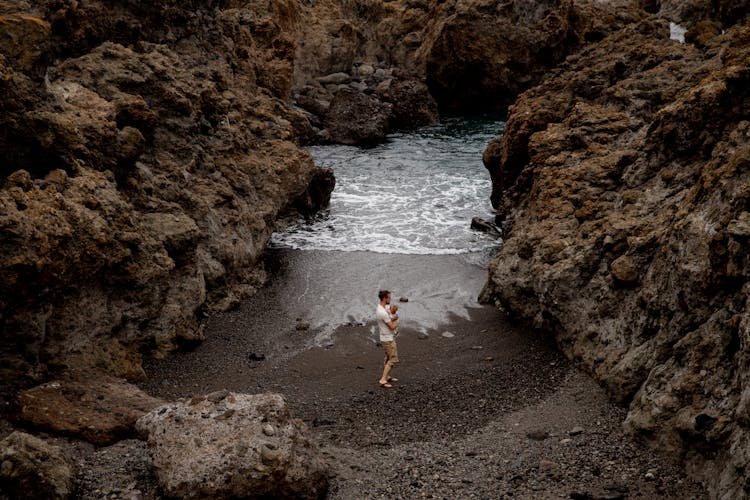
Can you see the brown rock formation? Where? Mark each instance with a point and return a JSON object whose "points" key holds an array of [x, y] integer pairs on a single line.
{"points": [[357, 118], [624, 186], [31, 468], [227, 445], [89, 405], [688, 12], [473, 55], [141, 173]]}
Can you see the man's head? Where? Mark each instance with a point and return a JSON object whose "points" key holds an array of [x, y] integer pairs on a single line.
{"points": [[384, 296]]}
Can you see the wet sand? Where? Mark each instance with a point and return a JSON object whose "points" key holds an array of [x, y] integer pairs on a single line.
{"points": [[490, 410]]}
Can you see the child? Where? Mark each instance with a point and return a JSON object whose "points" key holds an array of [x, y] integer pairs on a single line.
{"points": [[393, 313]]}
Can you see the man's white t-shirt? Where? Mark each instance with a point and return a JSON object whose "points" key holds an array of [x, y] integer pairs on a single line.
{"points": [[386, 334]]}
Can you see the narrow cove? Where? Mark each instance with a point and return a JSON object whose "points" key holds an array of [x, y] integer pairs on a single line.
{"points": [[482, 408]]}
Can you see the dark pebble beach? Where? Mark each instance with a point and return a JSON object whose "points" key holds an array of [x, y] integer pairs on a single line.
{"points": [[482, 408]]}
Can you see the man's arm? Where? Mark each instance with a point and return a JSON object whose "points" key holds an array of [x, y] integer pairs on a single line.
{"points": [[392, 324]]}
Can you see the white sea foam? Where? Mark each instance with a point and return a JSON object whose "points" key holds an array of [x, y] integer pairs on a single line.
{"points": [[677, 32], [415, 194]]}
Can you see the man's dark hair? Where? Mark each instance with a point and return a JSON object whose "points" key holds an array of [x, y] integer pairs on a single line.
{"points": [[383, 294]]}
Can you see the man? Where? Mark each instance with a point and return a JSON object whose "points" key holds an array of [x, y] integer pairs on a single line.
{"points": [[386, 326]]}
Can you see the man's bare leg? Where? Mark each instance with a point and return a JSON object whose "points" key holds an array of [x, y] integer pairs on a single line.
{"points": [[384, 379]]}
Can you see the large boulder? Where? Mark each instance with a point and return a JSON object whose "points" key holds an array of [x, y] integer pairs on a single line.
{"points": [[31, 468], [623, 184], [227, 445], [88, 405], [357, 118], [413, 105]]}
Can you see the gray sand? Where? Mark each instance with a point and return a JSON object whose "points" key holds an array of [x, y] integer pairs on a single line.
{"points": [[493, 411]]}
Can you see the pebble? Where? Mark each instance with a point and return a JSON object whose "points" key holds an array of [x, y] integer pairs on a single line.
{"points": [[268, 430], [537, 435], [447, 335], [576, 431], [548, 466]]}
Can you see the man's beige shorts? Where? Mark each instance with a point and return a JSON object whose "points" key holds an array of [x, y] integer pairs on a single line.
{"points": [[391, 354]]}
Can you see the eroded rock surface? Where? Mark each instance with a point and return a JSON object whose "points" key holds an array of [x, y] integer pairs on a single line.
{"points": [[87, 405], [469, 56], [227, 445], [147, 151], [32, 468], [624, 187]]}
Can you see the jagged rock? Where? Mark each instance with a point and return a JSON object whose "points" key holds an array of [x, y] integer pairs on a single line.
{"points": [[233, 446], [485, 226], [609, 172], [472, 56], [89, 405], [315, 106], [31, 468], [702, 32], [728, 12], [413, 106], [180, 152], [479, 59], [357, 118], [24, 41]]}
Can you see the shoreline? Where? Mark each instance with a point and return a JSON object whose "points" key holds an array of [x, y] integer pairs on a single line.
{"points": [[494, 409]]}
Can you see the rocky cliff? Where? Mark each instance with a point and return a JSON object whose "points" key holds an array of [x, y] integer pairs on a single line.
{"points": [[146, 151], [622, 183], [413, 57]]}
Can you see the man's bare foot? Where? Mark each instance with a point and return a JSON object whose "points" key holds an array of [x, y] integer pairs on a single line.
{"points": [[385, 385]]}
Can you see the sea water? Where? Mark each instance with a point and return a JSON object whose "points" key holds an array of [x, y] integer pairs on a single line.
{"points": [[414, 194]]}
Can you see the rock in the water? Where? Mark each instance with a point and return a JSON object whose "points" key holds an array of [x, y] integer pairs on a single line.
{"points": [[486, 227], [89, 405], [413, 105], [31, 468], [357, 118], [243, 446]]}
